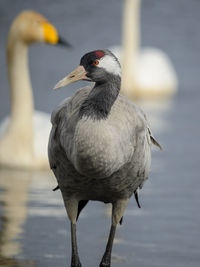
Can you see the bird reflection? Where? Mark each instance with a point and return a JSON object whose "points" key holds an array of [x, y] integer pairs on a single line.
{"points": [[14, 197]]}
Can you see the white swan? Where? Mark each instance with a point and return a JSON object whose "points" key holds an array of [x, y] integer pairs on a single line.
{"points": [[24, 135], [147, 72]]}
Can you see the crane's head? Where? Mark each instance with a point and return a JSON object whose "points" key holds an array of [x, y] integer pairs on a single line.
{"points": [[31, 27], [96, 66]]}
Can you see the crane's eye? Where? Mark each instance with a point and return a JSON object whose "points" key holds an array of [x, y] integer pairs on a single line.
{"points": [[95, 63]]}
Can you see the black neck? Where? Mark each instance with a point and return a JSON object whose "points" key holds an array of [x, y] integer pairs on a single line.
{"points": [[101, 98]]}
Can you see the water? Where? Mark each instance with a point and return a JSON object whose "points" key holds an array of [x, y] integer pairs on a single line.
{"points": [[34, 229]]}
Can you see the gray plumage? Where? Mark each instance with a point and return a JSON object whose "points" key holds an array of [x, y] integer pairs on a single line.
{"points": [[99, 160], [104, 158]]}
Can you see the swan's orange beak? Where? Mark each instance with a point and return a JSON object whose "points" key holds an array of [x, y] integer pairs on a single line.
{"points": [[51, 35], [76, 75]]}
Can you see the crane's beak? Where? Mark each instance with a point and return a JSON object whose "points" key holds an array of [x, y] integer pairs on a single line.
{"points": [[76, 75]]}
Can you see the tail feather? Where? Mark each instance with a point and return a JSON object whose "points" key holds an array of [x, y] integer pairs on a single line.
{"points": [[153, 140], [137, 199], [56, 188], [121, 220]]}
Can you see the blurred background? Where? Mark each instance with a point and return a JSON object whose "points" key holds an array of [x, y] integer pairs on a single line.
{"points": [[34, 230]]}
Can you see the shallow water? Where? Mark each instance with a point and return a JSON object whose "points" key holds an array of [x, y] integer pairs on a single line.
{"points": [[34, 229]]}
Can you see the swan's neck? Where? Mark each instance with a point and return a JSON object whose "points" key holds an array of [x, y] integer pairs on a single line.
{"points": [[131, 42], [20, 87]]}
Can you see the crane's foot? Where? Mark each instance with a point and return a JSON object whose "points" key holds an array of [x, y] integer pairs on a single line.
{"points": [[104, 265], [76, 263], [105, 262]]}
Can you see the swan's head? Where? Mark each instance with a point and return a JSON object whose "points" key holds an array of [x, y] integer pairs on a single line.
{"points": [[97, 66], [31, 27]]}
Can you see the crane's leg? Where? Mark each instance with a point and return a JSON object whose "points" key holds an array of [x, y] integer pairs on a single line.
{"points": [[72, 211], [117, 213], [75, 262]]}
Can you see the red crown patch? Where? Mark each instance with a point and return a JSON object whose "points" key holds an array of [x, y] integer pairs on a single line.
{"points": [[99, 54]]}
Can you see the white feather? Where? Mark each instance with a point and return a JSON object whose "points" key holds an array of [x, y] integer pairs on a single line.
{"points": [[110, 65]]}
